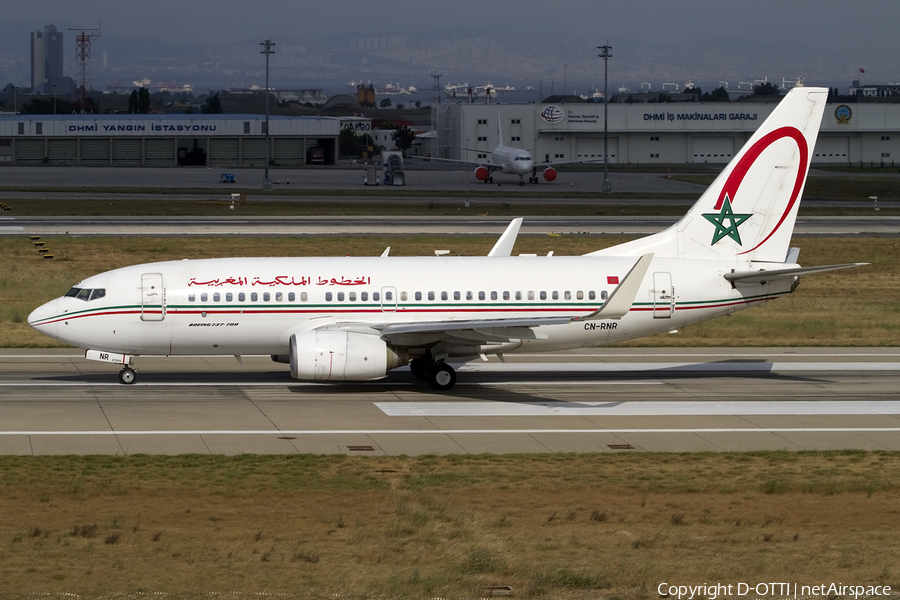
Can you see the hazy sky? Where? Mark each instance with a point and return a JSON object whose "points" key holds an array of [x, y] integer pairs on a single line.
{"points": [[863, 27], [797, 32]]}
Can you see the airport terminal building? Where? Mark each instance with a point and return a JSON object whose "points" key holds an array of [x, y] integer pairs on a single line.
{"points": [[664, 134], [639, 134], [165, 140]]}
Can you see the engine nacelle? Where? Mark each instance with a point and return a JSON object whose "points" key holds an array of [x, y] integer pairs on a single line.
{"points": [[482, 173], [550, 174], [328, 355]]}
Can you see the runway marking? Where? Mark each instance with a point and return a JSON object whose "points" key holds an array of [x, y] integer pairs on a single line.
{"points": [[545, 355], [633, 409], [754, 366], [763, 353], [332, 385], [282, 432]]}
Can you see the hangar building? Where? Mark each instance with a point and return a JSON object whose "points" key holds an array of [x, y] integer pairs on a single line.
{"points": [[665, 134], [164, 140]]}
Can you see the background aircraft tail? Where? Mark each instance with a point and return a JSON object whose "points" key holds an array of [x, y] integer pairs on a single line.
{"points": [[748, 212]]}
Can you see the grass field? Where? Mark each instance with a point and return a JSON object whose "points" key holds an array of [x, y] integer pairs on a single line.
{"points": [[857, 307], [566, 526], [854, 190]]}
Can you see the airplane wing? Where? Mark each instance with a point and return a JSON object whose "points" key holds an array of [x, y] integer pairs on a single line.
{"points": [[424, 333], [486, 163], [556, 163]]}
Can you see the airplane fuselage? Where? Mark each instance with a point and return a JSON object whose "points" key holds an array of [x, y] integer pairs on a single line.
{"points": [[254, 305], [513, 161]]}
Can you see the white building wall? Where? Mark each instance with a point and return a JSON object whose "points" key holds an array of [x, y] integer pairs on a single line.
{"points": [[676, 133]]}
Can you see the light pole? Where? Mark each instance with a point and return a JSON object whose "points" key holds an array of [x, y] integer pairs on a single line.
{"points": [[605, 55], [267, 50]]}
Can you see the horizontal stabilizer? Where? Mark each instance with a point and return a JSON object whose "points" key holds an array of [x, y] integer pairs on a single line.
{"points": [[770, 274], [620, 301]]}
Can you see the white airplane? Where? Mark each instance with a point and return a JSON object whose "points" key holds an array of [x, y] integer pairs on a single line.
{"points": [[355, 319], [510, 161]]}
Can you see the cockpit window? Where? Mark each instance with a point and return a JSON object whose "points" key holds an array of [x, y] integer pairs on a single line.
{"points": [[86, 294]]}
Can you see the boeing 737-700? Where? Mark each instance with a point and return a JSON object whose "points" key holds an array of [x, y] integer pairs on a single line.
{"points": [[355, 319]]}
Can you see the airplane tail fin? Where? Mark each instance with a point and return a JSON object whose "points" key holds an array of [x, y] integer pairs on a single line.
{"points": [[748, 212]]}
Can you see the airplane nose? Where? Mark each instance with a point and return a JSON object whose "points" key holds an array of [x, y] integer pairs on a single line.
{"points": [[44, 319]]}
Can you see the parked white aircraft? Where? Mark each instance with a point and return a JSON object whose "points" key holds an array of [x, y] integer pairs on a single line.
{"points": [[510, 161], [355, 319]]}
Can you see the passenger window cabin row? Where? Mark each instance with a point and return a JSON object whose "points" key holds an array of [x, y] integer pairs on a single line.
{"points": [[389, 296]]}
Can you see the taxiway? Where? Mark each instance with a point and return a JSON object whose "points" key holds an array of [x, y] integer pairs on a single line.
{"points": [[605, 400]]}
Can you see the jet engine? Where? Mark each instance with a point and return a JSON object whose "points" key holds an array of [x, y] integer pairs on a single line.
{"points": [[482, 173], [328, 355], [550, 174]]}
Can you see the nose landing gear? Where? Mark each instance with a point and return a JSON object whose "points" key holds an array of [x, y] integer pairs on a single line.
{"points": [[127, 375]]}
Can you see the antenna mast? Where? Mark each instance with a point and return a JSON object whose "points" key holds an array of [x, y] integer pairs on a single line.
{"points": [[83, 41]]}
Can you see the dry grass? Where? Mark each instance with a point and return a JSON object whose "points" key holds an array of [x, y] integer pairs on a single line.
{"points": [[570, 526], [859, 307]]}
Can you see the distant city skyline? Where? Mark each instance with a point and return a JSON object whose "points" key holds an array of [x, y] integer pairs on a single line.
{"points": [[214, 45]]}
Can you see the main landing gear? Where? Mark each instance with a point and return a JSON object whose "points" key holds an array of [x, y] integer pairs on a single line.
{"points": [[127, 375], [440, 376]]}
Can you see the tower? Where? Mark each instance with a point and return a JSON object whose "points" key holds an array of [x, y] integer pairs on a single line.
{"points": [[46, 55], [83, 42]]}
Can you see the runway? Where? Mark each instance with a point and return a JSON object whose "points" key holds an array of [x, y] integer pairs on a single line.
{"points": [[605, 400]]}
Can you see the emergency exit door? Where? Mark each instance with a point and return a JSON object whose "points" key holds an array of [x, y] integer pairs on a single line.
{"points": [[153, 297], [663, 295]]}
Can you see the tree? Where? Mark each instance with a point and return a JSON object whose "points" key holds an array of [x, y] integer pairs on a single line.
{"points": [[693, 90], [213, 106], [88, 106], [143, 101], [720, 94], [403, 138], [348, 142], [385, 103], [133, 102], [47, 106], [766, 89]]}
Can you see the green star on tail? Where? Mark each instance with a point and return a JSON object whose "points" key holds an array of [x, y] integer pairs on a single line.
{"points": [[718, 219]]}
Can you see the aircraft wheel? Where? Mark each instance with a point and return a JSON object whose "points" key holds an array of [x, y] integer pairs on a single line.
{"points": [[420, 368], [127, 376], [442, 377], [490, 180], [521, 182]]}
